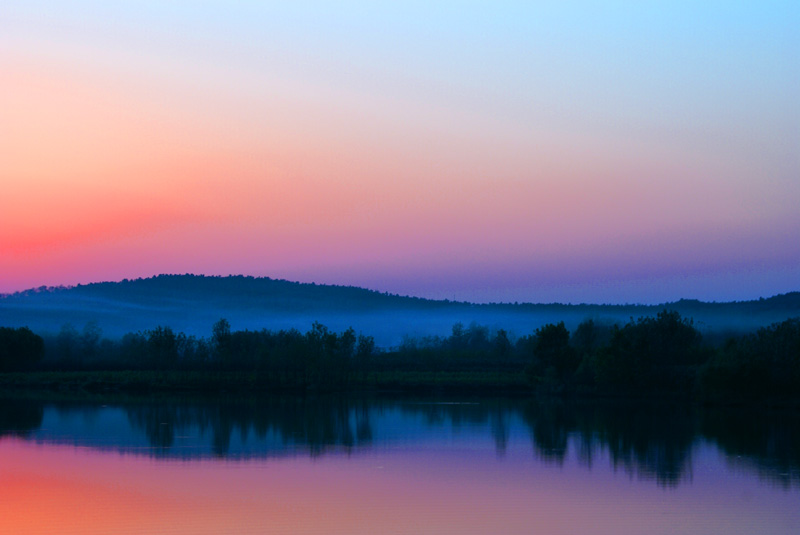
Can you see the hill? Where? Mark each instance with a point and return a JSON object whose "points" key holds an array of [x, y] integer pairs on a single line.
{"points": [[192, 303]]}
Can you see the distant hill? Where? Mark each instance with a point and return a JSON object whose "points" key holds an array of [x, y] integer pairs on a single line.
{"points": [[192, 303]]}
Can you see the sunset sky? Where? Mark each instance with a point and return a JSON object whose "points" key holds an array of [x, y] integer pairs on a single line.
{"points": [[486, 151]]}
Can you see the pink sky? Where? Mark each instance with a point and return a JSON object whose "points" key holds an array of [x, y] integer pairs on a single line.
{"points": [[450, 158]]}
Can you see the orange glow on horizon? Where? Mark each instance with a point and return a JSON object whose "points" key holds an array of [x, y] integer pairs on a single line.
{"points": [[169, 140]]}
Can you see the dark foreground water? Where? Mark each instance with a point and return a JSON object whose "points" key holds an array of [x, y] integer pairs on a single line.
{"points": [[393, 466]]}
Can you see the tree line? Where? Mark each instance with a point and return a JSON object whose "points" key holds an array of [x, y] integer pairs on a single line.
{"points": [[661, 355]]}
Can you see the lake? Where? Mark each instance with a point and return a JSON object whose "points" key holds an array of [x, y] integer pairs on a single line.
{"points": [[384, 465]]}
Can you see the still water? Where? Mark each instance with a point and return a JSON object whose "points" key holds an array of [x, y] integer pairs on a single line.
{"points": [[393, 466]]}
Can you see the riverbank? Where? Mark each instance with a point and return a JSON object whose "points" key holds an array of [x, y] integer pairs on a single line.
{"points": [[503, 383], [494, 382]]}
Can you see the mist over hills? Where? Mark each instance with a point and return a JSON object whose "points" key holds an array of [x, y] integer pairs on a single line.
{"points": [[192, 303]]}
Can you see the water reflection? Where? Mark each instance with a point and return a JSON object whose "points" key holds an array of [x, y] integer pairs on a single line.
{"points": [[650, 442], [767, 442], [19, 417], [315, 425]]}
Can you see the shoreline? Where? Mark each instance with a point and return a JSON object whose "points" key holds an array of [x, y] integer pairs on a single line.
{"points": [[490, 384]]}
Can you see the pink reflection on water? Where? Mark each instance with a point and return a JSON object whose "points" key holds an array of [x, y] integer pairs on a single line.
{"points": [[56, 489]]}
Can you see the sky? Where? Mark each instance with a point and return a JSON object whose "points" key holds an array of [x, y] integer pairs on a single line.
{"points": [[570, 151]]}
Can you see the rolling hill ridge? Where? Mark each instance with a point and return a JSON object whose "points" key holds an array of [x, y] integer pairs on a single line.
{"points": [[192, 303]]}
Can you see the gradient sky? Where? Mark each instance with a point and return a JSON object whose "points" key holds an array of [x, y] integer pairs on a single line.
{"points": [[489, 151]]}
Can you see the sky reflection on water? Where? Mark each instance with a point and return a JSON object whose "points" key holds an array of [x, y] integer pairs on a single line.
{"points": [[288, 465]]}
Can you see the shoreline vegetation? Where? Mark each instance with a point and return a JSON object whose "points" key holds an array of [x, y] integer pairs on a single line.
{"points": [[660, 357]]}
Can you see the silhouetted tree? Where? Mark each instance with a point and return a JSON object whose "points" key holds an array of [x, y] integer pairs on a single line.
{"points": [[760, 365], [162, 348], [90, 341], [477, 337], [20, 349], [364, 351], [554, 360], [458, 337], [660, 353], [133, 350], [68, 344], [501, 344], [587, 339], [221, 342]]}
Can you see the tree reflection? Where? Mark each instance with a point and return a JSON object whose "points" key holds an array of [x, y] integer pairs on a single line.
{"points": [[648, 441], [316, 425], [20, 417], [652, 442], [768, 441], [550, 425], [157, 422]]}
